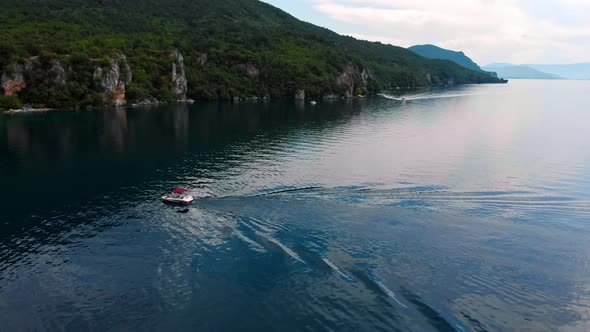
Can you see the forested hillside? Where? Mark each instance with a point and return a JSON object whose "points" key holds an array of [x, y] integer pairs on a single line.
{"points": [[75, 53]]}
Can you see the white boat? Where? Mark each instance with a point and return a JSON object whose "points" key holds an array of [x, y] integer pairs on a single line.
{"points": [[313, 102], [178, 196]]}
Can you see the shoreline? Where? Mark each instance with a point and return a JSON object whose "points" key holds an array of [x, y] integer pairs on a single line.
{"points": [[142, 104], [30, 110], [189, 101]]}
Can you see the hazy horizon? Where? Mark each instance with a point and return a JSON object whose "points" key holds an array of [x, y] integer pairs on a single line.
{"points": [[540, 32]]}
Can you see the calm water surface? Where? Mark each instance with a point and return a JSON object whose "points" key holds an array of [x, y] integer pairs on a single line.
{"points": [[461, 209]]}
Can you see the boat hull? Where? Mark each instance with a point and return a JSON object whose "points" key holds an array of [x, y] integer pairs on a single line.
{"points": [[178, 201]]}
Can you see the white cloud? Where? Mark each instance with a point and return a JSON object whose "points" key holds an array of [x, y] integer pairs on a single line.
{"points": [[487, 30]]}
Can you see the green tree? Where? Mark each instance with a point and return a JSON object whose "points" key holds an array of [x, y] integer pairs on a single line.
{"points": [[10, 102]]}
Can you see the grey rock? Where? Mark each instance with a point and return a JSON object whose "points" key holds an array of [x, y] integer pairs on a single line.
{"points": [[330, 96], [300, 95], [202, 59], [179, 81], [352, 77], [58, 73], [114, 79]]}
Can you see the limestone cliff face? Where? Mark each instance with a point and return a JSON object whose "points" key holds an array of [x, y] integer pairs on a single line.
{"points": [[179, 82], [14, 82], [354, 77], [58, 73], [113, 79]]}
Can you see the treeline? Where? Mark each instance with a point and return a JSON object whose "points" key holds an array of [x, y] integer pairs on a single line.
{"points": [[232, 48]]}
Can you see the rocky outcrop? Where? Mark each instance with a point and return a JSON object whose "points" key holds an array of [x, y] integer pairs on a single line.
{"points": [[146, 102], [14, 82], [58, 73], [249, 68], [179, 82], [113, 79], [300, 95], [354, 77], [202, 59]]}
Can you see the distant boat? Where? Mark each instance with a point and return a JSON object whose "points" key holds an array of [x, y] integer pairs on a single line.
{"points": [[190, 101], [313, 102], [178, 196]]}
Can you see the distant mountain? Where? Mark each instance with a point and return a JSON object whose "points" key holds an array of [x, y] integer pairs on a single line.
{"points": [[510, 71], [576, 71], [435, 52], [499, 64]]}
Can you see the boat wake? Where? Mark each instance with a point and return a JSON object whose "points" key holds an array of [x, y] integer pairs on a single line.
{"points": [[426, 96], [385, 247], [263, 236], [430, 193]]}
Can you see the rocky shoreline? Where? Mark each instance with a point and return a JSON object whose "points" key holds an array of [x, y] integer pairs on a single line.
{"points": [[153, 102], [29, 110]]}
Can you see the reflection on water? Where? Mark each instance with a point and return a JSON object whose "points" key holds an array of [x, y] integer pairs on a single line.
{"points": [[461, 209], [165, 127]]}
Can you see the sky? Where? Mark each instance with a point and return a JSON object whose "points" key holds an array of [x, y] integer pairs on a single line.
{"points": [[488, 31]]}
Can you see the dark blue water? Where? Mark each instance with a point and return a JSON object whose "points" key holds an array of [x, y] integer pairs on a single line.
{"points": [[462, 209]]}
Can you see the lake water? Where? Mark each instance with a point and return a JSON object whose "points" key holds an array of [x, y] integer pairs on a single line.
{"points": [[459, 209]]}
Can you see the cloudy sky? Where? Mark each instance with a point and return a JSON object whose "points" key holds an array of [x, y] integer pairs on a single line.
{"points": [[517, 31]]}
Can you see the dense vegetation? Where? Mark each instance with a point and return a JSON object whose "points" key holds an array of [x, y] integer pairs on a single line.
{"points": [[218, 40], [9, 102]]}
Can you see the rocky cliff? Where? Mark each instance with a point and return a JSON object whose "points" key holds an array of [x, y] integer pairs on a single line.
{"points": [[300, 95], [352, 78], [179, 82], [107, 81], [57, 73], [113, 79], [13, 82], [14, 79]]}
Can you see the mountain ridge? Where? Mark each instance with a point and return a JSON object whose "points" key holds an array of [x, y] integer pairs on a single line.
{"points": [[459, 57], [433, 51]]}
